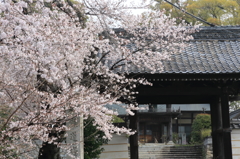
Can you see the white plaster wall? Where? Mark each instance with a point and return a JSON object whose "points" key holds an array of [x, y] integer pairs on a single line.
{"points": [[117, 148], [235, 135]]}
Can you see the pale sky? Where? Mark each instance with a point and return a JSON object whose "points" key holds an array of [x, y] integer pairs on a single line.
{"points": [[137, 3]]}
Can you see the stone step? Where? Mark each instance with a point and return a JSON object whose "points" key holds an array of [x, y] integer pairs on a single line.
{"points": [[178, 157], [164, 152], [165, 157], [172, 147], [170, 157], [180, 149], [170, 152], [183, 147], [177, 151], [187, 154], [150, 149]]}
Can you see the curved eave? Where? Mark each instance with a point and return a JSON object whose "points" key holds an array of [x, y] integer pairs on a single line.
{"points": [[235, 114], [235, 76]]}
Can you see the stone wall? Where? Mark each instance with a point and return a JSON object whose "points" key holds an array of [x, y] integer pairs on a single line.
{"points": [[117, 148]]}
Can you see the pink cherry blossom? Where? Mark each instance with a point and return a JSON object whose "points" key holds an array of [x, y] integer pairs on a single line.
{"points": [[51, 64]]}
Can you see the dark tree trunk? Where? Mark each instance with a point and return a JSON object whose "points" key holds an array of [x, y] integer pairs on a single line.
{"points": [[134, 138], [49, 151]]}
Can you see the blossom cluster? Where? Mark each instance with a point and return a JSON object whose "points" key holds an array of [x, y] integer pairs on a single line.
{"points": [[58, 62]]}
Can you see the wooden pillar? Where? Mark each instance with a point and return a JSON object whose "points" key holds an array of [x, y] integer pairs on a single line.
{"points": [[134, 138], [170, 129], [226, 126], [191, 117], [144, 132], [177, 125], [169, 106], [216, 121]]}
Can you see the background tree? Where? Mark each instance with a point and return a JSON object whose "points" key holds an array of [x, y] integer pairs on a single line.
{"points": [[234, 105], [201, 122], [172, 11], [54, 69], [217, 12], [93, 140], [3, 117]]}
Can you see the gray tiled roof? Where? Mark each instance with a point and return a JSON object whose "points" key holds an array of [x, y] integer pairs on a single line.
{"points": [[234, 119], [218, 32], [214, 50], [205, 56], [235, 114], [235, 126]]}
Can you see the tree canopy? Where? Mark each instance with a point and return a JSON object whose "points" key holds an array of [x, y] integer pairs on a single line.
{"points": [[201, 122], [60, 60], [217, 12], [94, 140], [235, 105]]}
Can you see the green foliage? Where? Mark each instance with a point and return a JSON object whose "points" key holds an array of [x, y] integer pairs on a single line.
{"points": [[175, 137], [218, 12], [202, 121], [117, 119], [3, 114], [10, 154], [171, 10], [234, 105], [93, 140], [7, 152], [205, 133]]}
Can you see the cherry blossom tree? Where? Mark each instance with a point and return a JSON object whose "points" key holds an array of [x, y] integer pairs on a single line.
{"points": [[61, 59]]}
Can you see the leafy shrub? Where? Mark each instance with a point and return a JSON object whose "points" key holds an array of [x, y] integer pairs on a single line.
{"points": [[117, 119], [175, 137], [93, 140], [5, 150], [202, 121], [205, 133]]}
